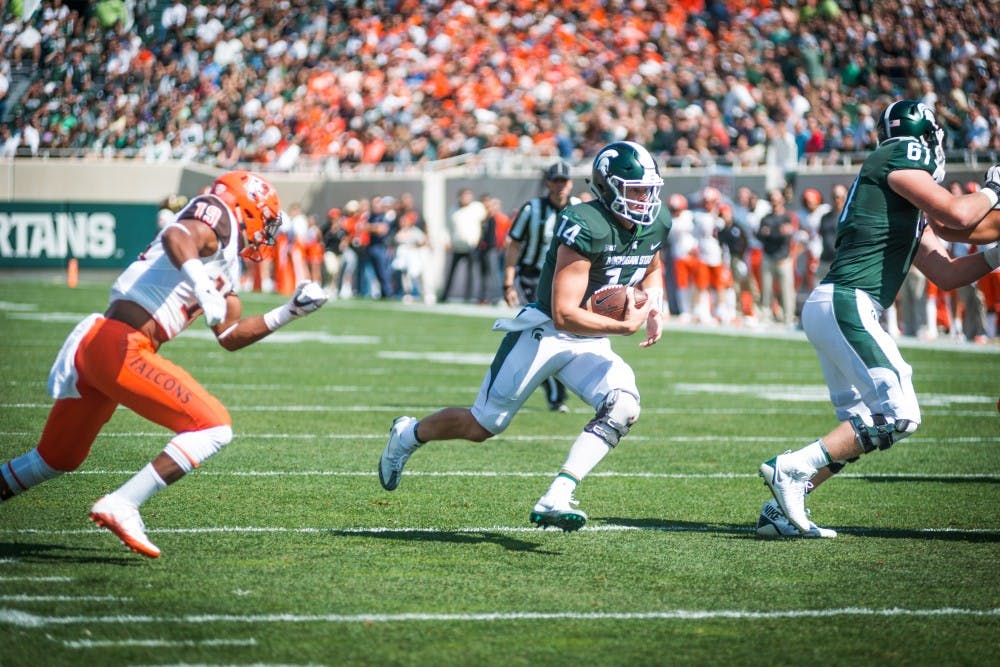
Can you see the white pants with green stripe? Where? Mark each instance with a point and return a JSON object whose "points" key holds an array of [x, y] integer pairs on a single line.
{"points": [[587, 366], [864, 370]]}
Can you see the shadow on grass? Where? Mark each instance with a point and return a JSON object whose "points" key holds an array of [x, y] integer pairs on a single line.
{"points": [[748, 531], [875, 478], [668, 526], [45, 553], [507, 542]]}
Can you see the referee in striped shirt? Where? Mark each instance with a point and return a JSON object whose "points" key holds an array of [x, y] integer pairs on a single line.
{"points": [[527, 243]]}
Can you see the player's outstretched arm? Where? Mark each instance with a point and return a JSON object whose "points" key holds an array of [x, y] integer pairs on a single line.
{"points": [[237, 332], [962, 212], [949, 272], [986, 232]]}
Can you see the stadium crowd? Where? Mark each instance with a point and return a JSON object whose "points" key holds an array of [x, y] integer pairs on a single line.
{"points": [[290, 84], [294, 82]]}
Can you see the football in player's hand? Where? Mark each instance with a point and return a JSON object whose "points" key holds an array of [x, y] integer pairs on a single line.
{"points": [[610, 300]]}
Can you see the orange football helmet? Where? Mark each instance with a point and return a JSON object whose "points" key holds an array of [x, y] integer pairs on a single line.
{"points": [[255, 202]]}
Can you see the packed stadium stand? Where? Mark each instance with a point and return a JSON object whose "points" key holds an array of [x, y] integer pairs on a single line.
{"points": [[298, 83]]}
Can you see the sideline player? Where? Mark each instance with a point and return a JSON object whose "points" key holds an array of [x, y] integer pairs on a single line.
{"points": [[530, 236], [191, 268], [882, 231], [613, 240]]}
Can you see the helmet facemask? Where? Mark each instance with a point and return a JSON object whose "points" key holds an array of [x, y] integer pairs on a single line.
{"points": [[638, 201], [259, 247]]}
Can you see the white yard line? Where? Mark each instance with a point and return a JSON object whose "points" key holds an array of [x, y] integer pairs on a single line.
{"points": [[500, 439], [383, 530], [26, 620], [986, 477], [987, 411], [155, 643], [63, 598]]}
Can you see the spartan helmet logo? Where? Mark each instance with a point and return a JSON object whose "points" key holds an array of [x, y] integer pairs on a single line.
{"points": [[603, 164]]}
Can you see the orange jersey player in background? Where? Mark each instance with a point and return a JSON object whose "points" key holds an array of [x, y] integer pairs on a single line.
{"points": [[191, 268]]}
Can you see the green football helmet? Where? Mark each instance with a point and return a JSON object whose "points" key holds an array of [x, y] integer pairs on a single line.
{"points": [[625, 179], [909, 118]]}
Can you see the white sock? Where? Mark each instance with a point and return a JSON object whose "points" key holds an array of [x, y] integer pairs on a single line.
{"points": [[811, 457], [586, 452], [142, 486], [560, 490], [409, 435]]}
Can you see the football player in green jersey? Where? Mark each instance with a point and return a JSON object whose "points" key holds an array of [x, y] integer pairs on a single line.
{"points": [[882, 231], [616, 239]]}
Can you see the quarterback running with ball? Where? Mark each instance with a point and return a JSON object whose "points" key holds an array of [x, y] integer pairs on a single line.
{"points": [[615, 239], [191, 268], [883, 229]]}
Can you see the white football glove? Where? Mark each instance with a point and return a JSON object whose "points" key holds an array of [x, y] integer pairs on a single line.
{"points": [[308, 298], [213, 304], [991, 183]]}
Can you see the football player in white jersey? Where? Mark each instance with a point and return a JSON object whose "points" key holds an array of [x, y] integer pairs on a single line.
{"points": [[191, 268]]}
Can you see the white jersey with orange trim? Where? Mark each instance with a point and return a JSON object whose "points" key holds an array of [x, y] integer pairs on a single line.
{"points": [[153, 282], [682, 240], [706, 228]]}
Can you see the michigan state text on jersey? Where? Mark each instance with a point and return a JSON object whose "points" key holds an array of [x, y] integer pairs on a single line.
{"points": [[617, 255]]}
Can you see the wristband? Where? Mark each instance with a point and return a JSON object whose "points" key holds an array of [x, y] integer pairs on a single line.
{"points": [[992, 256], [992, 192], [195, 273], [279, 317]]}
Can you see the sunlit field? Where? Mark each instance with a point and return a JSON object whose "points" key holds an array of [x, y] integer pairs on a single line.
{"points": [[284, 550]]}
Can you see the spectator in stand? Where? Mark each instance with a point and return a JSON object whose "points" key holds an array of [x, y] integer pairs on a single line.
{"points": [[748, 210], [827, 231], [411, 256], [352, 88], [776, 231], [713, 285], [356, 225], [465, 232], [490, 290], [733, 239], [381, 227], [336, 241], [683, 251], [808, 242]]}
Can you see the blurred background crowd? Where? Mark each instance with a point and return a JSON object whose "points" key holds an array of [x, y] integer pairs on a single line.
{"points": [[397, 84], [294, 83]]}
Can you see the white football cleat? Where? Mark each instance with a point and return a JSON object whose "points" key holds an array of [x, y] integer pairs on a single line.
{"points": [[395, 454], [122, 518], [772, 522], [562, 515], [788, 486]]}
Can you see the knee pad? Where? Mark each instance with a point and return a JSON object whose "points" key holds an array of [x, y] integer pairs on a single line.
{"points": [[615, 416], [189, 449], [882, 433]]}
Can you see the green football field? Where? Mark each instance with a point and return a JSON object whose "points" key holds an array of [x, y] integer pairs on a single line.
{"points": [[284, 550]]}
